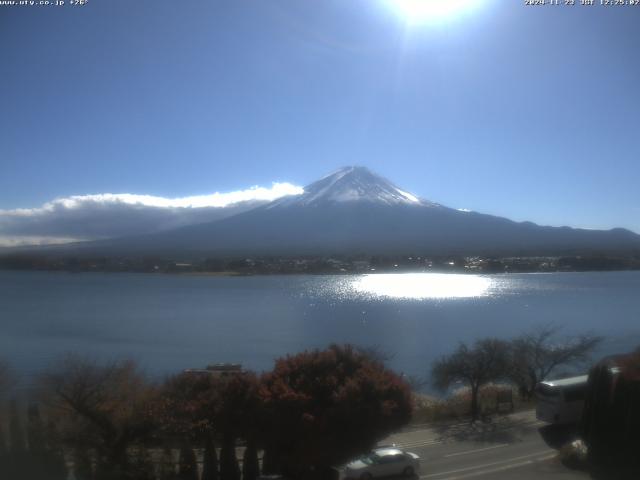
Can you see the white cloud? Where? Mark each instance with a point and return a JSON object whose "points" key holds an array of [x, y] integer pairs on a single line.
{"points": [[19, 240], [198, 201], [106, 215]]}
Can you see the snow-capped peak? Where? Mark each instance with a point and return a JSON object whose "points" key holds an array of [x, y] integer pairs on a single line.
{"points": [[353, 184]]}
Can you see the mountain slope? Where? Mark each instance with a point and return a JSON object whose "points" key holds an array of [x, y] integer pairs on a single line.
{"points": [[356, 211], [347, 185]]}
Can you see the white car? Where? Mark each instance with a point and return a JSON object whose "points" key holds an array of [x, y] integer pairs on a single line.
{"points": [[383, 462]]}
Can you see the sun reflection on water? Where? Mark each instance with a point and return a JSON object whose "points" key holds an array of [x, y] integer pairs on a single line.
{"points": [[422, 285]]}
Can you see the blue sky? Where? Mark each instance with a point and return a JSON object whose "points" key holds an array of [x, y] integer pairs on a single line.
{"points": [[526, 112]]}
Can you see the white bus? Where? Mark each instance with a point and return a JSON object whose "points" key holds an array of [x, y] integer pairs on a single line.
{"points": [[561, 401]]}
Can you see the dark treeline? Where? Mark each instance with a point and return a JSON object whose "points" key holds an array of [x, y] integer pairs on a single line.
{"points": [[321, 264], [313, 411]]}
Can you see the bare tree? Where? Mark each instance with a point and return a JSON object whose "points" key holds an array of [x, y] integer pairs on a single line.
{"points": [[535, 355], [105, 407], [486, 361]]}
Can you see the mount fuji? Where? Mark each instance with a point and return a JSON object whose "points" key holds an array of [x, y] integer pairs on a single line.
{"points": [[356, 211], [350, 184]]}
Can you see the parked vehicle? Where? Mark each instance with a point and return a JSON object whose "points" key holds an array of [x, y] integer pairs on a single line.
{"points": [[561, 401], [383, 462]]}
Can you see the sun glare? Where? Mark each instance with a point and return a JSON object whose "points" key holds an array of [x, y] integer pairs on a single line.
{"points": [[423, 11], [419, 286]]}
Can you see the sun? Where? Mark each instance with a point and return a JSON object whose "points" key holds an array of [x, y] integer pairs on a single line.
{"points": [[423, 11]]}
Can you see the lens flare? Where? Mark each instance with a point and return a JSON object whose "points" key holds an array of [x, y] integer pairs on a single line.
{"points": [[423, 11]]}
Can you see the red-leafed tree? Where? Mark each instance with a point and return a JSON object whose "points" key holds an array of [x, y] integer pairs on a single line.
{"points": [[239, 416], [327, 406], [187, 406], [202, 407]]}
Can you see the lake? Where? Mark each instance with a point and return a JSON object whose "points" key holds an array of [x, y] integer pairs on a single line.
{"points": [[171, 322]]}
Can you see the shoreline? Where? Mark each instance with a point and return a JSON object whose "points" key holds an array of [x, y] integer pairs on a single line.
{"points": [[231, 273]]}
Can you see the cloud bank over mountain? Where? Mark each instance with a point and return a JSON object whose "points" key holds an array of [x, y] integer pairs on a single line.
{"points": [[108, 215]]}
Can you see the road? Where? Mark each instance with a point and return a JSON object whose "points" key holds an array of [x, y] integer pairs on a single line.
{"points": [[514, 446]]}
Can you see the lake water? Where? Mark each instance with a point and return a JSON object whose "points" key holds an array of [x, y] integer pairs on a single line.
{"points": [[171, 322]]}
